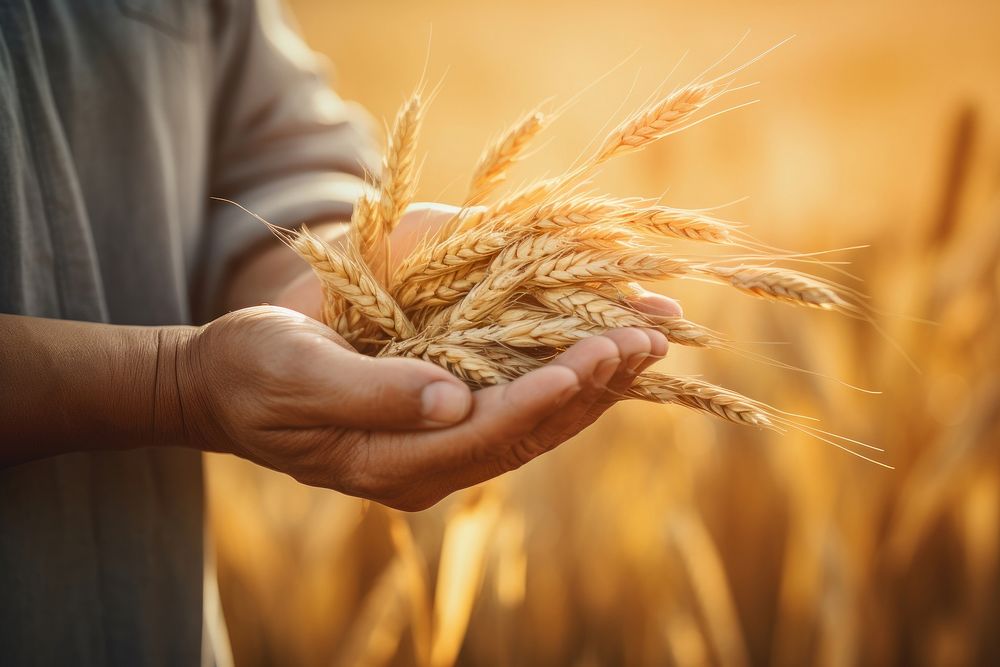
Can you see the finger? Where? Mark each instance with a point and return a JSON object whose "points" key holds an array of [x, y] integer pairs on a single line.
{"points": [[499, 435], [628, 372], [640, 359], [391, 393], [654, 304], [508, 413], [635, 347], [594, 361]]}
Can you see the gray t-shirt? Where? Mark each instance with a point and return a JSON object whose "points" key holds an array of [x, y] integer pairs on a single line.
{"points": [[118, 120]]}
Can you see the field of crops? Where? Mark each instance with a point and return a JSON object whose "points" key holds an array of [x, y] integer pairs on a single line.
{"points": [[659, 536]]}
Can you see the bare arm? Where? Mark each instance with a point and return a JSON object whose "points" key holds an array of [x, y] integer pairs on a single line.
{"points": [[68, 386]]}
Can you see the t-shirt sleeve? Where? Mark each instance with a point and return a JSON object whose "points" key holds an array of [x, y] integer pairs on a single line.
{"points": [[285, 145]]}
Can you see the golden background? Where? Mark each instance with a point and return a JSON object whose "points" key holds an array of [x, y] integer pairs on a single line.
{"points": [[660, 537]]}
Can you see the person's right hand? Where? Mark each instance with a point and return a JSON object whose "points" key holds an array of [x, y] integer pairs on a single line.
{"points": [[281, 389]]}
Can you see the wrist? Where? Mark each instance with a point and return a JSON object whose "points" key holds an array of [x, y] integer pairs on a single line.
{"points": [[170, 424]]}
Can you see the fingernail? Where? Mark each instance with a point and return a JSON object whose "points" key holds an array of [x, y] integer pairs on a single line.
{"points": [[605, 370], [444, 402], [633, 363]]}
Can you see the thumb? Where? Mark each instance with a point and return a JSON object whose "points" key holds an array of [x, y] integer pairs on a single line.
{"points": [[394, 394]]}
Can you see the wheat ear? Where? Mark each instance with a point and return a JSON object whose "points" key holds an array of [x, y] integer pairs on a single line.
{"points": [[656, 121], [609, 314], [473, 368], [498, 158], [702, 396], [354, 282], [398, 183], [777, 284]]}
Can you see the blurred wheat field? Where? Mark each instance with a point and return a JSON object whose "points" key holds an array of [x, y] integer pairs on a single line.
{"points": [[659, 537]]}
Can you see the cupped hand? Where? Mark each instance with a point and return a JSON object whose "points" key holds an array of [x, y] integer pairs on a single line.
{"points": [[281, 389]]}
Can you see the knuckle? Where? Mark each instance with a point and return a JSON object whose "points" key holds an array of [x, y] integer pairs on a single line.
{"points": [[518, 454], [349, 464], [390, 400], [380, 396]]}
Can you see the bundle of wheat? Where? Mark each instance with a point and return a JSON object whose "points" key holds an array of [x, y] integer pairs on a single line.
{"points": [[503, 287]]}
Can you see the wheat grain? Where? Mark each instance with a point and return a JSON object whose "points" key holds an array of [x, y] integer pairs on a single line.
{"points": [[353, 282], [398, 181], [656, 121], [517, 205], [609, 314], [475, 369], [702, 396], [366, 236], [777, 284]]}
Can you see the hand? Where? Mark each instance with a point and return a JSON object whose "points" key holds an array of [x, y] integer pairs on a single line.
{"points": [[290, 394], [281, 389]]}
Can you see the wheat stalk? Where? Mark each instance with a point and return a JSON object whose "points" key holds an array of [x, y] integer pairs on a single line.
{"points": [[473, 368], [503, 288]]}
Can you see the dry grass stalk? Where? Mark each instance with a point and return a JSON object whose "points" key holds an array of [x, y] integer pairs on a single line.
{"points": [[368, 245], [452, 270], [463, 362], [468, 252], [460, 572], [546, 262], [665, 221], [516, 204], [526, 197], [399, 167]]}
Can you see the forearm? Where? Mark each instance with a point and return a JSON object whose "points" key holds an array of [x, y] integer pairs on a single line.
{"points": [[72, 386]]}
